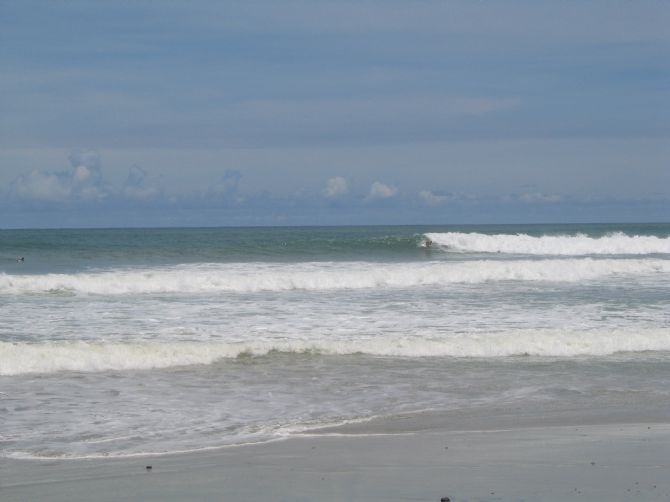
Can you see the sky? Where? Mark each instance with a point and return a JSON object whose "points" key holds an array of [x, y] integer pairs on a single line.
{"points": [[265, 112]]}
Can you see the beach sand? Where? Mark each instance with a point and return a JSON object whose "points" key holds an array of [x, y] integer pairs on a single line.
{"points": [[414, 457]]}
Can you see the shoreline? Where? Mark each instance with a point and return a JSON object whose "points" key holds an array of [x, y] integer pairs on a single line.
{"points": [[406, 457], [412, 422]]}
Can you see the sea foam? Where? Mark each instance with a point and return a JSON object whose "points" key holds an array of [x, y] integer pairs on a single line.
{"points": [[245, 278], [49, 357], [567, 245]]}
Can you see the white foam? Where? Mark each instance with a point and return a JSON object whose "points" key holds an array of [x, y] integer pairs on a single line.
{"points": [[326, 276], [567, 245], [51, 357]]}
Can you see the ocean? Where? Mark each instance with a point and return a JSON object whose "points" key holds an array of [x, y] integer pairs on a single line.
{"points": [[123, 342]]}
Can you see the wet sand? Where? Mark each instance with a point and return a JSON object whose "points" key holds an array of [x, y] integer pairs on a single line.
{"points": [[406, 458]]}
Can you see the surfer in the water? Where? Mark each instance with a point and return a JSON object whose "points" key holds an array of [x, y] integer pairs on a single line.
{"points": [[20, 260], [427, 243]]}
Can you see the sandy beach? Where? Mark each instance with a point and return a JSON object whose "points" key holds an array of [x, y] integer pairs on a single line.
{"points": [[404, 458]]}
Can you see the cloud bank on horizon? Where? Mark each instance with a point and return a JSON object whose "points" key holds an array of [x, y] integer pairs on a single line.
{"points": [[310, 112], [80, 195]]}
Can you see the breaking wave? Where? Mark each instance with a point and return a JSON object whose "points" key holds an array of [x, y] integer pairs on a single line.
{"points": [[566, 245], [245, 278], [51, 357]]}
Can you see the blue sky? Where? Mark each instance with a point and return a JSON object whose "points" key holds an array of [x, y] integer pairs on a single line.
{"points": [[333, 112]]}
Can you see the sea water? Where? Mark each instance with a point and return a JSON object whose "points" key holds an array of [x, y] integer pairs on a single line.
{"points": [[144, 341]]}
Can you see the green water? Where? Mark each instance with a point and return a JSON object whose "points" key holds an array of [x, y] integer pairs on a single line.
{"points": [[80, 249]]}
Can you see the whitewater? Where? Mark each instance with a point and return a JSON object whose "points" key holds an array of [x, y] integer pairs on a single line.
{"points": [[211, 278], [52, 357], [616, 243], [141, 341]]}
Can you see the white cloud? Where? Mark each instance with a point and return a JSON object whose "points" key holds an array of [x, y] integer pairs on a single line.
{"points": [[137, 187], [379, 190], [86, 179], [82, 182], [336, 187], [42, 186], [86, 158], [81, 174], [433, 199]]}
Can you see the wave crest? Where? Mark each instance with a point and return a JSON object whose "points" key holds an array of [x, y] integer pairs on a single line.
{"points": [[245, 278], [564, 245], [51, 357]]}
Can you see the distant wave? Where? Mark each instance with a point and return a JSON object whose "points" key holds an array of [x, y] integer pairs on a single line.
{"points": [[324, 276], [566, 245], [50, 357]]}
